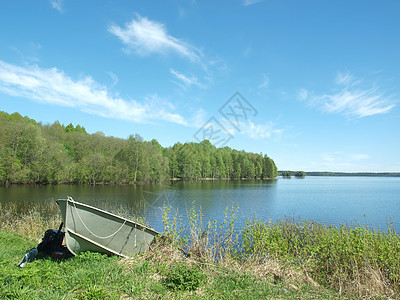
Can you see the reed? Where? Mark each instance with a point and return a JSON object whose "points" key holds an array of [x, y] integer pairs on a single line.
{"points": [[32, 223], [283, 259], [355, 260]]}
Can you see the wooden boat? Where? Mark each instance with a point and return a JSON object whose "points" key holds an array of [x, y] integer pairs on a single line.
{"points": [[91, 229]]}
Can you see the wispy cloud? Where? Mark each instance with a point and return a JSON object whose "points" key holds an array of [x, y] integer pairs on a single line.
{"points": [[186, 80], [260, 131], [345, 79], [53, 86], [251, 2], [57, 4], [199, 118], [353, 98], [303, 94], [145, 37]]}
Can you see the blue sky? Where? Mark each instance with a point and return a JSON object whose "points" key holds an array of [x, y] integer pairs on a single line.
{"points": [[313, 84]]}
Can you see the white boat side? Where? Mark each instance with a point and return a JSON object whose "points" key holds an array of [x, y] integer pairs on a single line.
{"points": [[88, 228]]}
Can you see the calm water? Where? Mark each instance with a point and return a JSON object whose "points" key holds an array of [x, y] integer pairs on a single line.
{"points": [[370, 200]]}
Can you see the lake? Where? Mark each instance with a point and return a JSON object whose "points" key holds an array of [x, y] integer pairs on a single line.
{"points": [[370, 200]]}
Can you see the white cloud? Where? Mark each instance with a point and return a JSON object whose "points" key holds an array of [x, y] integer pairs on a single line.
{"points": [[250, 2], [53, 86], [199, 118], [303, 94], [159, 109], [146, 37], [260, 131], [354, 98], [186, 80], [57, 4], [356, 103], [344, 78]]}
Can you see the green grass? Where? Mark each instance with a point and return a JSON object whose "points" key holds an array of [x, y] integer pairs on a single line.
{"points": [[282, 260], [96, 276], [355, 260]]}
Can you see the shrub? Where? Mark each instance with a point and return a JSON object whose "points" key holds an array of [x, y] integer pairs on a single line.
{"points": [[94, 292], [183, 277], [351, 258]]}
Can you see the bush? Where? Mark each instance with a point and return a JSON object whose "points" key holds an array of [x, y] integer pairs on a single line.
{"points": [[94, 292], [344, 257], [182, 277]]}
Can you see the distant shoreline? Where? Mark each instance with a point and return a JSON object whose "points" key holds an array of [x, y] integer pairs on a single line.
{"points": [[354, 174]]}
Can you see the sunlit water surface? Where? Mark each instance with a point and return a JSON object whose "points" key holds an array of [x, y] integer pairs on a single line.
{"points": [[371, 201]]}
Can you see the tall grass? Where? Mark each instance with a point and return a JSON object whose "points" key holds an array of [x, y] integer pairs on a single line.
{"points": [[31, 224], [355, 260], [283, 259]]}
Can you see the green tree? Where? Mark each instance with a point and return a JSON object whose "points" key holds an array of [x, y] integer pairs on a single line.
{"points": [[269, 168], [31, 152], [300, 174], [221, 169]]}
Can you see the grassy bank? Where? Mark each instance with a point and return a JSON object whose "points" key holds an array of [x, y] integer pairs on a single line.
{"points": [[280, 260]]}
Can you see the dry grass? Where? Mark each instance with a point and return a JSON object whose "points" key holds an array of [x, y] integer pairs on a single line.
{"points": [[214, 253], [358, 262], [367, 282], [162, 251], [166, 254], [30, 224]]}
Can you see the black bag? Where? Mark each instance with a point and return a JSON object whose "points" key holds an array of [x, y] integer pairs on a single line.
{"points": [[51, 245], [52, 241]]}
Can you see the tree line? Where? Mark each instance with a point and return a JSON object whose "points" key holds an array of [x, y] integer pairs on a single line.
{"points": [[288, 174], [358, 174], [32, 152]]}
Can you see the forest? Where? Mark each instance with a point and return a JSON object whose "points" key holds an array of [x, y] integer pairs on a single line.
{"points": [[36, 153], [357, 174]]}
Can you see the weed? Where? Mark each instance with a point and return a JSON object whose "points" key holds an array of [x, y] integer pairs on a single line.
{"points": [[283, 259], [354, 260], [94, 292], [30, 224], [183, 277], [171, 226]]}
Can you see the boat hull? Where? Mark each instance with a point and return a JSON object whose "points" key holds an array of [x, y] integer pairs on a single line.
{"points": [[91, 229]]}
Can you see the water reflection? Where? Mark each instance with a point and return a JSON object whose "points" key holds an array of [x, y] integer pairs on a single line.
{"points": [[328, 199]]}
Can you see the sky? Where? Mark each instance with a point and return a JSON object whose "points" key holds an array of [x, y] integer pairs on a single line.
{"points": [[312, 84]]}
